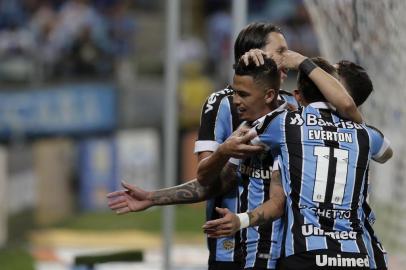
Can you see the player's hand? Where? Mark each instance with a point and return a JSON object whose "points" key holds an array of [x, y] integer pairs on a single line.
{"points": [[254, 55], [238, 145], [131, 199], [228, 225], [291, 60]]}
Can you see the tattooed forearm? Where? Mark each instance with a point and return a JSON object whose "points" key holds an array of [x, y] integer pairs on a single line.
{"points": [[261, 218], [257, 217], [228, 178], [190, 192], [272, 208]]}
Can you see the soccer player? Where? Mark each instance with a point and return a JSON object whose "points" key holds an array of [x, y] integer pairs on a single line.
{"points": [[324, 161]]}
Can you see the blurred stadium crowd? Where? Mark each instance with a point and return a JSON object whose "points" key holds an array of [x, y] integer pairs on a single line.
{"points": [[66, 38]]}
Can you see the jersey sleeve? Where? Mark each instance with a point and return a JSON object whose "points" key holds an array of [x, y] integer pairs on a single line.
{"points": [[379, 144], [215, 123]]}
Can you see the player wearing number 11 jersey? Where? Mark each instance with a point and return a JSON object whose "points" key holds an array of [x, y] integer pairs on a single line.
{"points": [[324, 163]]}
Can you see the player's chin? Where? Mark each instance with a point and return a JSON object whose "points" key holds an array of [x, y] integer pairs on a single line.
{"points": [[243, 115]]}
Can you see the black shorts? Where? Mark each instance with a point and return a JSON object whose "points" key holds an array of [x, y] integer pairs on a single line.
{"points": [[225, 266], [325, 259]]}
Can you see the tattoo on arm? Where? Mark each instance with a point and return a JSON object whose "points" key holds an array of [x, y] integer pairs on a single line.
{"points": [[251, 218], [228, 178], [276, 179], [190, 192], [257, 217], [261, 218], [274, 207]]}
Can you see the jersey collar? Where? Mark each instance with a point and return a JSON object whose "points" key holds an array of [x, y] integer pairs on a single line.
{"points": [[321, 105], [282, 106]]}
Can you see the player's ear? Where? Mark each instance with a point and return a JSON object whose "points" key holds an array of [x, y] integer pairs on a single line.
{"points": [[270, 95]]}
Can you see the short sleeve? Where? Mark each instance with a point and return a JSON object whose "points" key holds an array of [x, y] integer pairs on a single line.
{"points": [[216, 122], [379, 144]]}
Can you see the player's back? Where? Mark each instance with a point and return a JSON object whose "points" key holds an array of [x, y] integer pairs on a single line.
{"points": [[324, 161], [328, 159]]}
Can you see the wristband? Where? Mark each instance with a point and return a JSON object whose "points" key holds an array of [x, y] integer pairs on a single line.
{"points": [[307, 66], [244, 220]]}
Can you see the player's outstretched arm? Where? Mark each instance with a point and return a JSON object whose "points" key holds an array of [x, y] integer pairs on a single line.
{"points": [[230, 222], [131, 199], [135, 199], [330, 87]]}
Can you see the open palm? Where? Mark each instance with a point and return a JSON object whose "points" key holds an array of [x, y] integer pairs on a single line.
{"points": [[131, 199]]}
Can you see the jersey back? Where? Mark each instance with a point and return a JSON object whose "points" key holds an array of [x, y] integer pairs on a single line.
{"points": [[324, 162]]}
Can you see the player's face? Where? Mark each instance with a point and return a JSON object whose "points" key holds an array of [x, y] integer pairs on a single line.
{"points": [[250, 100], [276, 45]]}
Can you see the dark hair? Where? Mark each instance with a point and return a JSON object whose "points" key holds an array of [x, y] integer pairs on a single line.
{"points": [[309, 90], [253, 36], [266, 76], [356, 80]]}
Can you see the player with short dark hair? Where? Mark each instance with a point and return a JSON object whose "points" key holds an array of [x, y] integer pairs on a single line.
{"points": [[355, 79]]}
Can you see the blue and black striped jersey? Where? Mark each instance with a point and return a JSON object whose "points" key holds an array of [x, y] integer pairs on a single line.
{"points": [[324, 162], [261, 244], [376, 252], [218, 120]]}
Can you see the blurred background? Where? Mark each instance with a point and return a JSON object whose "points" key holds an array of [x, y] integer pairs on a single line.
{"points": [[83, 85]]}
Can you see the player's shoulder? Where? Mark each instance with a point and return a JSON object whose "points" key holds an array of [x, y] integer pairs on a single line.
{"points": [[271, 117], [215, 99]]}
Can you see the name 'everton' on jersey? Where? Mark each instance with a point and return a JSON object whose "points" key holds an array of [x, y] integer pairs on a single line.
{"points": [[324, 162]]}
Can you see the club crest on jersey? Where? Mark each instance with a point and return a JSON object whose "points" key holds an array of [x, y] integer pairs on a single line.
{"points": [[228, 245], [297, 120]]}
